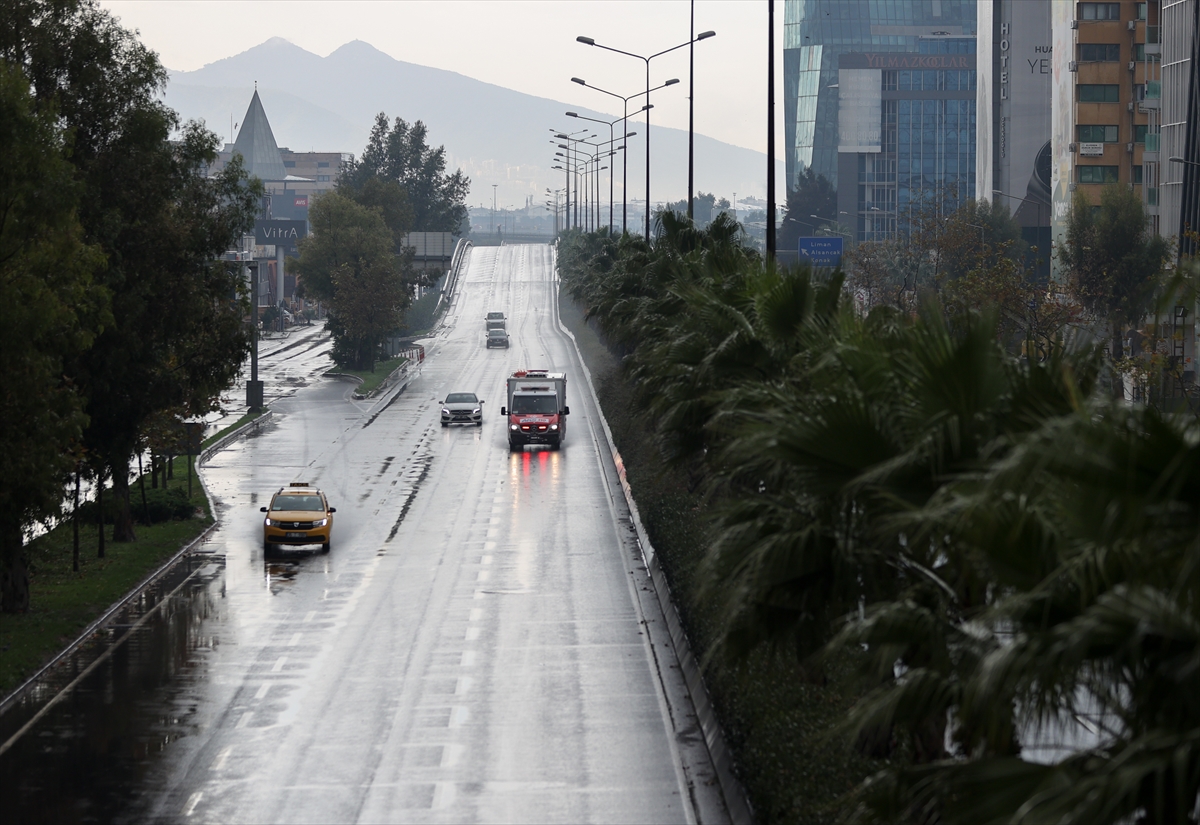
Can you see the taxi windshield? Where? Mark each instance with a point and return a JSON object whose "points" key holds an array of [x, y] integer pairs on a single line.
{"points": [[534, 405], [295, 502]]}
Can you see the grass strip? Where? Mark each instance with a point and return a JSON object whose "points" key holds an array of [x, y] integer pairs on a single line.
{"points": [[371, 379], [62, 602], [245, 419], [775, 722]]}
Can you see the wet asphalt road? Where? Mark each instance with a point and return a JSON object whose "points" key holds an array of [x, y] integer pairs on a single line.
{"points": [[480, 645]]}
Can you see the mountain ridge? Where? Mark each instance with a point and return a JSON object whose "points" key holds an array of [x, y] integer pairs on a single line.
{"points": [[330, 103]]}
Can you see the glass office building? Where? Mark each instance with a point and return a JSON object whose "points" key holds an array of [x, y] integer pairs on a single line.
{"points": [[818, 32]]}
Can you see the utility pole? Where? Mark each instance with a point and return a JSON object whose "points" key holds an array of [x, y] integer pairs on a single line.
{"points": [[691, 109]]}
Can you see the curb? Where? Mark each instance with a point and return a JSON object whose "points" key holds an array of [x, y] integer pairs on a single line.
{"points": [[736, 802], [225, 440], [19, 692]]}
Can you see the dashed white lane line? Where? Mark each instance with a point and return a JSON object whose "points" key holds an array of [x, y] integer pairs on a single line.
{"points": [[483, 576], [262, 691], [245, 720], [308, 617], [295, 640], [451, 754], [279, 664], [472, 634], [194, 800], [476, 614], [443, 795], [219, 763], [486, 560], [468, 658], [462, 685], [459, 717]]}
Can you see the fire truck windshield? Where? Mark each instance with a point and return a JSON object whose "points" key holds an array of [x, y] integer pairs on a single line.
{"points": [[534, 405]]}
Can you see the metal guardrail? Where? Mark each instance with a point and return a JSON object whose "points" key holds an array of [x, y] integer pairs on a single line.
{"points": [[456, 264]]}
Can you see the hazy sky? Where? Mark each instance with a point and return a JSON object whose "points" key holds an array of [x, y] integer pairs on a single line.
{"points": [[524, 45]]}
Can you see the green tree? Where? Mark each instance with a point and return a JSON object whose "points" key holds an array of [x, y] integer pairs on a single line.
{"points": [[1114, 262], [177, 337], [812, 195], [350, 261], [49, 310], [401, 153]]}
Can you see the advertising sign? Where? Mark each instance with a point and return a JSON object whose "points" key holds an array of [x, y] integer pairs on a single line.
{"points": [[300, 200], [280, 233], [825, 251], [1091, 150]]}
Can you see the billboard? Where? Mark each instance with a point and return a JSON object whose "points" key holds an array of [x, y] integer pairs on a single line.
{"points": [[280, 233], [826, 251]]}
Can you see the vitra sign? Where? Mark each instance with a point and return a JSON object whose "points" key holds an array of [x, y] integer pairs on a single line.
{"points": [[280, 233]]}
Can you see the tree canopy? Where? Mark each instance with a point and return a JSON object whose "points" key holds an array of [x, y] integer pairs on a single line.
{"points": [[400, 152], [813, 195]]}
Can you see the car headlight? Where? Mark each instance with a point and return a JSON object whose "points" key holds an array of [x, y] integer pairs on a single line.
{"points": [[554, 426], [445, 411], [514, 427], [270, 522], [321, 522], [476, 411]]}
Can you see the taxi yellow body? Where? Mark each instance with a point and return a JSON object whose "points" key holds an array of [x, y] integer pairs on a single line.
{"points": [[299, 515]]}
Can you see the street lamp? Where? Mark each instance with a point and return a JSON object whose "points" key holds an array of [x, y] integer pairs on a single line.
{"points": [[646, 108], [646, 59], [567, 136], [624, 137]]}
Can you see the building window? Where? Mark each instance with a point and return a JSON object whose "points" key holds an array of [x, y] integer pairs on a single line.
{"points": [[322, 178], [1099, 52], [889, 81], [1140, 11], [1139, 53], [1099, 11], [1137, 174], [1099, 93], [290, 164], [1097, 174], [322, 164], [1139, 133], [1097, 134]]}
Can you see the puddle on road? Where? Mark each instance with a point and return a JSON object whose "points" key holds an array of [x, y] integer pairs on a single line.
{"points": [[132, 687]]}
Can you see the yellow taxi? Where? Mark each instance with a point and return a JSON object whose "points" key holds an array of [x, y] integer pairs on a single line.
{"points": [[299, 514]]}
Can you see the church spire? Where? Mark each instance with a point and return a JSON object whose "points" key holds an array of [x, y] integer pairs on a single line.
{"points": [[256, 143]]}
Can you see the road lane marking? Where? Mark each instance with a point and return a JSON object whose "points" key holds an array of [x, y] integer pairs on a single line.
{"points": [[262, 691], [295, 640], [279, 664], [472, 634], [468, 658], [483, 576], [489, 545], [219, 762], [310, 615], [479, 594], [476, 614], [451, 754], [486, 560], [443, 795], [462, 685], [194, 800], [459, 716]]}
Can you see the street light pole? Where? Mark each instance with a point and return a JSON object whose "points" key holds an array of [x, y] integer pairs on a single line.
{"points": [[770, 130], [591, 42], [611, 140]]}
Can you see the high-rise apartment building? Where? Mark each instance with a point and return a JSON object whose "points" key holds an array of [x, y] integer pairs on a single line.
{"points": [[818, 32], [1107, 94]]}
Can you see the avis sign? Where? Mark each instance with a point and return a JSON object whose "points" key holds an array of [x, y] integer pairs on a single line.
{"points": [[821, 251], [280, 233]]}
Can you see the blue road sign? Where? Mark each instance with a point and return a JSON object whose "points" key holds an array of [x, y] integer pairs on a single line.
{"points": [[825, 251]]}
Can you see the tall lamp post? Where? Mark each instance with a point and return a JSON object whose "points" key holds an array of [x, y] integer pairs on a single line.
{"points": [[567, 136], [646, 59], [646, 108], [1186, 242], [624, 138], [770, 130]]}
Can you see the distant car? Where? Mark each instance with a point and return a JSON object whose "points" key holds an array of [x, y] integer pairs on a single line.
{"points": [[462, 408], [497, 338], [495, 320], [299, 515]]}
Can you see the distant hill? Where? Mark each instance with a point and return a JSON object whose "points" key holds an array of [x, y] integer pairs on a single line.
{"points": [[496, 135]]}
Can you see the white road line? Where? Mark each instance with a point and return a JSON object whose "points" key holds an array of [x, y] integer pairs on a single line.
{"points": [[486, 560], [443, 794], [245, 720], [462, 685], [476, 614], [194, 800], [279, 664], [219, 763], [295, 640], [262, 691], [459, 716], [483, 576], [472, 634], [451, 754], [468, 658], [310, 615]]}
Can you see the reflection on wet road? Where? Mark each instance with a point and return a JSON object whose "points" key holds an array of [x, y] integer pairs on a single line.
{"points": [[472, 649]]}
